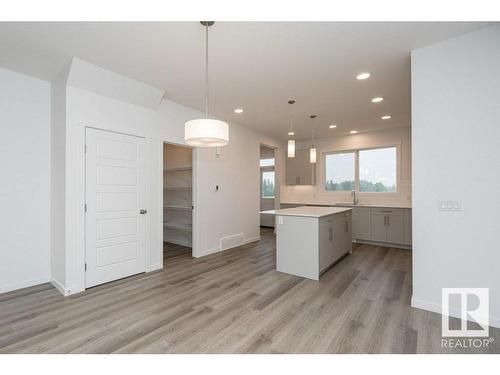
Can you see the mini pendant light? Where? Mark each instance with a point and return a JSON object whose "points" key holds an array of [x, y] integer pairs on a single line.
{"points": [[291, 142], [312, 151], [206, 132], [291, 148]]}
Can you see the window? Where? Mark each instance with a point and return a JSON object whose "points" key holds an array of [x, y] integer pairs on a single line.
{"points": [[340, 174], [267, 162], [267, 184], [376, 170]]}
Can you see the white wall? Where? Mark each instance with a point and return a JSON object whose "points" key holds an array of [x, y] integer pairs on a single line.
{"points": [[316, 194], [25, 187], [456, 133], [58, 176], [234, 209]]}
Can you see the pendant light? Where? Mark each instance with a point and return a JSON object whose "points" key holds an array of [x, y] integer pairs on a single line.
{"points": [[291, 148], [312, 151], [291, 142], [206, 132]]}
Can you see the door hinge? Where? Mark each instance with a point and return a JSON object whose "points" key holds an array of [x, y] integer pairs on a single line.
{"points": [[85, 207], [85, 267]]}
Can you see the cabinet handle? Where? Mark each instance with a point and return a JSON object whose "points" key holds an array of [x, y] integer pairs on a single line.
{"points": [[330, 233], [388, 220], [387, 211]]}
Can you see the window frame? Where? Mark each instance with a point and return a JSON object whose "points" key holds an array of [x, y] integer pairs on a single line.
{"points": [[268, 166], [325, 154], [356, 151], [267, 169]]}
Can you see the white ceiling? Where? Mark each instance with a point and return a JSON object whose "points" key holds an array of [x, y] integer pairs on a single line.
{"points": [[257, 66]]}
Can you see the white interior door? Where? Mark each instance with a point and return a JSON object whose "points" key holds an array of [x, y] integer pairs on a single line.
{"points": [[115, 197]]}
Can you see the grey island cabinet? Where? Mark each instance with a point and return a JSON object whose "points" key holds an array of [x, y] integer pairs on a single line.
{"points": [[309, 240]]}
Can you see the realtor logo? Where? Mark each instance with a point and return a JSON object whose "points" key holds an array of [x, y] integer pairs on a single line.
{"points": [[472, 307]]}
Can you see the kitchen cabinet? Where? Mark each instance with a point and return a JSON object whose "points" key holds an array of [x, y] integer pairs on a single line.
{"points": [[407, 228], [378, 228], [387, 225], [327, 250], [361, 223], [311, 239], [299, 171], [395, 229]]}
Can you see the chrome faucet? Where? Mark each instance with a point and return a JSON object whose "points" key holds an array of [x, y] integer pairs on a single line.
{"points": [[354, 200]]}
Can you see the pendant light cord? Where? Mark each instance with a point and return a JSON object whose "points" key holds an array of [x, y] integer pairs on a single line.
{"points": [[206, 71]]}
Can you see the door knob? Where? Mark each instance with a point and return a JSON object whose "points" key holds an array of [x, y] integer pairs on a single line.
{"points": [[142, 212]]}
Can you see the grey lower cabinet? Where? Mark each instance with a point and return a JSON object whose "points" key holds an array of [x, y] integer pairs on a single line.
{"points": [[335, 238], [378, 228], [379, 224], [389, 225], [361, 223], [306, 246]]}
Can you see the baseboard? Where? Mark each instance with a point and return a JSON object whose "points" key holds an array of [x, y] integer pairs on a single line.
{"points": [[255, 239], [59, 287], [218, 249], [155, 267], [385, 244], [23, 284], [436, 308], [177, 242]]}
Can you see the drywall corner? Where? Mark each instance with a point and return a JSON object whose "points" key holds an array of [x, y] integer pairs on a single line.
{"points": [[57, 176]]}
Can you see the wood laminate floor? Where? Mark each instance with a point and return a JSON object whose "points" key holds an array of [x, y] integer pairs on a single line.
{"points": [[172, 251], [232, 302]]}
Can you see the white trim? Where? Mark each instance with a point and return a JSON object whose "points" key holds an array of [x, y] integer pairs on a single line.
{"points": [[178, 242], [399, 163], [59, 287], [255, 239], [155, 267], [196, 232], [386, 244], [23, 284], [218, 249], [436, 308]]}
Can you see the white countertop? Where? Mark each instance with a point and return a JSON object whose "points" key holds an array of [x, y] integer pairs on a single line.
{"points": [[308, 211], [375, 205]]}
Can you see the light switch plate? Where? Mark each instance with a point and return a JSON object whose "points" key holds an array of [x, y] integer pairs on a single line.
{"points": [[450, 205]]}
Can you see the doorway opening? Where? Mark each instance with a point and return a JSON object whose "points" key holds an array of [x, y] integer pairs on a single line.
{"points": [[177, 201], [268, 185]]}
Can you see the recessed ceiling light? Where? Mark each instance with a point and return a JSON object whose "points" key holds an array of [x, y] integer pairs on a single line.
{"points": [[386, 117], [332, 126], [362, 76], [378, 99], [238, 110], [291, 133], [353, 131]]}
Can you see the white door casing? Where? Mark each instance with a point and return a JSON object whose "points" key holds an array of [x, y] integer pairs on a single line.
{"points": [[115, 229]]}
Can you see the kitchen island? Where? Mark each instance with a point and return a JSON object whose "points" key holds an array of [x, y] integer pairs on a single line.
{"points": [[309, 240]]}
